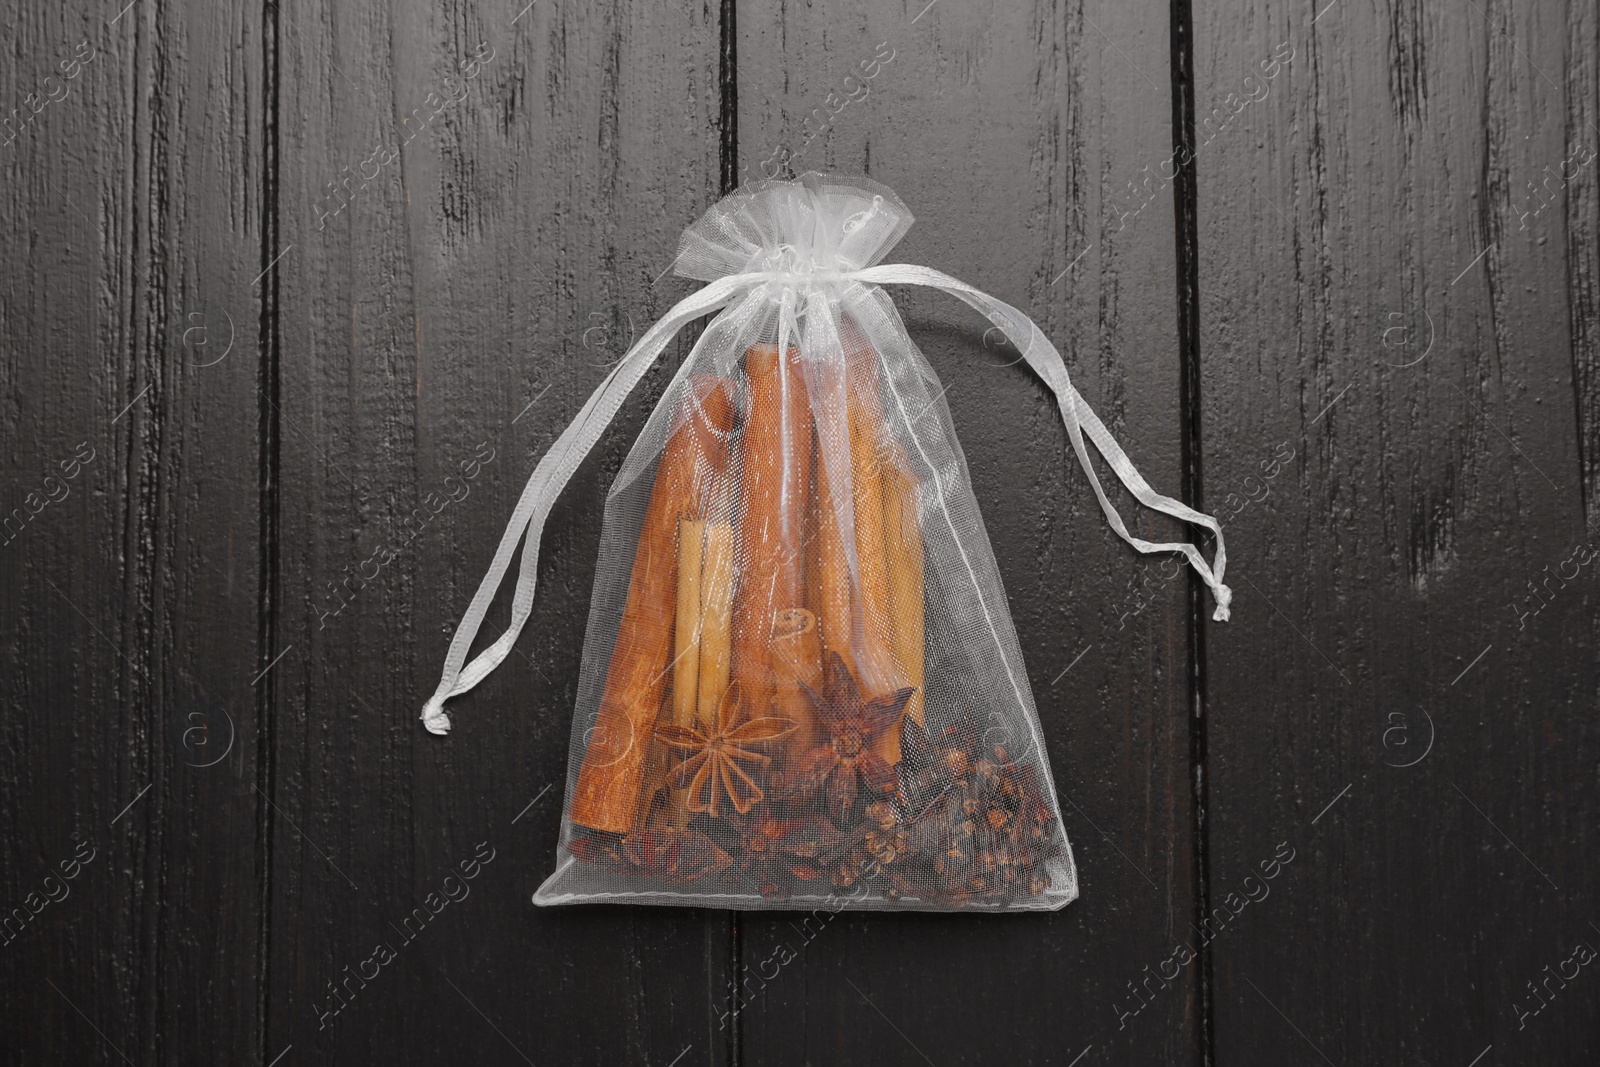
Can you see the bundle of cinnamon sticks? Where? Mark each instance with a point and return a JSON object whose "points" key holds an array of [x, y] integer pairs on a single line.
{"points": [[770, 543]]}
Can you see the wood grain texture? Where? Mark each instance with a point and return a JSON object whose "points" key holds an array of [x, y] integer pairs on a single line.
{"points": [[1002, 128], [459, 311], [1373, 303], [133, 210]]}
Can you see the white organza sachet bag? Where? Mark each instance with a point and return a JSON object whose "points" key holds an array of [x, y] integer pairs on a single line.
{"points": [[801, 686]]}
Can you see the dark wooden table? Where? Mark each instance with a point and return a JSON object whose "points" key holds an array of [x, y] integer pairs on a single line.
{"points": [[275, 270]]}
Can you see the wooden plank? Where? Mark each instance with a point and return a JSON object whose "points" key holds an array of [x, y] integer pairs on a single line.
{"points": [[443, 317], [134, 203], [1382, 331], [1004, 130]]}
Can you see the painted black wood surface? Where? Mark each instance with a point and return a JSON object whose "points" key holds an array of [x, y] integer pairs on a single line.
{"points": [[294, 286]]}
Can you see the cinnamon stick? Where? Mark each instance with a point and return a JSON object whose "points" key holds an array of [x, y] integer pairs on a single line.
{"points": [[828, 564], [610, 782], [716, 621], [775, 476], [796, 655], [686, 631], [868, 436], [906, 578]]}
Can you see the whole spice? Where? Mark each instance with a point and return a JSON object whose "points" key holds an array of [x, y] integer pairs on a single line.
{"points": [[903, 531], [716, 620], [980, 827], [775, 852], [610, 782], [718, 761], [775, 473], [796, 658], [687, 643], [675, 856], [839, 769], [828, 581], [687, 630], [873, 656]]}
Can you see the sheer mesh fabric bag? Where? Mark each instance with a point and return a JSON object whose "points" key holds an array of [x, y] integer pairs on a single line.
{"points": [[801, 685]]}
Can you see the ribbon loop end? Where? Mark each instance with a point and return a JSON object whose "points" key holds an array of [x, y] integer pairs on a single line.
{"points": [[434, 718]]}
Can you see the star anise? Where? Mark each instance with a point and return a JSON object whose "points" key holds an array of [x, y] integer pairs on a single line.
{"points": [[845, 764], [716, 758]]}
